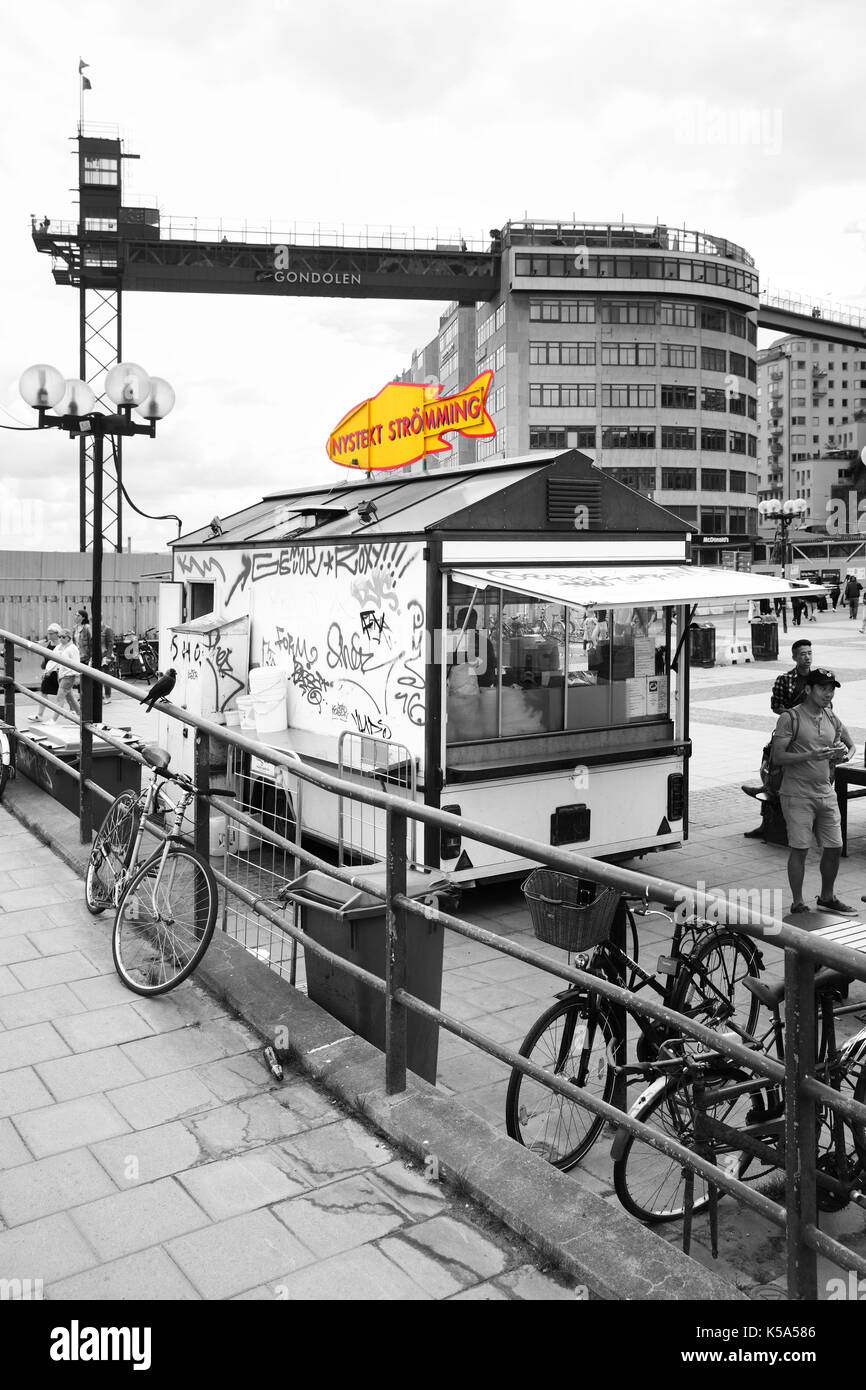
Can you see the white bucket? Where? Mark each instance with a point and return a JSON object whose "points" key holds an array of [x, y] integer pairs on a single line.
{"points": [[245, 705], [269, 712], [268, 692], [233, 718]]}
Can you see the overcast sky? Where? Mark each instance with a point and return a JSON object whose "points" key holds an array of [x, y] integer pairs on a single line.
{"points": [[744, 119]]}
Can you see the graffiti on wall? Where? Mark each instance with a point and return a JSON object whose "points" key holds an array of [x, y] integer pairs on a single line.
{"points": [[347, 622], [208, 656]]}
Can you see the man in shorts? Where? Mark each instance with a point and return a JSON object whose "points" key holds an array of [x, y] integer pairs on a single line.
{"points": [[809, 742]]}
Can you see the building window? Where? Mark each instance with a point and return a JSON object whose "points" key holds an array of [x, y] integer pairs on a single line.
{"points": [[562, 354], [714, 319], [737, 325], [737, 481], [678, 398], [628, 355], [713, 360], [737, 405], [738, 523], [544, 437], [641, 479], [752, 405], [687, 514], [738, 364], [677, 437], [714, 441], [500, 358], [678, 355], [562, 310], [100, 171], [628, 437], [712, 398], [714, 479], [681, 315], [638, 397], [713, 522], [560, 393], [100, 224], [680, 479], [736, 442], [627, 311]]}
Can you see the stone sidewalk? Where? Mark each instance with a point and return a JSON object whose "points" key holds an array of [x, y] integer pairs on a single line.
{"points": [[147, 1152]]}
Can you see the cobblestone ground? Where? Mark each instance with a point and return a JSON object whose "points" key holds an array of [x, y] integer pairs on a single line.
{"points": [[146, 1152]]}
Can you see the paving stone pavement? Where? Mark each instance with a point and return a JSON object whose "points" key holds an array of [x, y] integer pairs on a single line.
{"points": [[146, 1152]]}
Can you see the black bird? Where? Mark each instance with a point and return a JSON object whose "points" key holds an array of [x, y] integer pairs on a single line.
{"points": [[160, 689]]}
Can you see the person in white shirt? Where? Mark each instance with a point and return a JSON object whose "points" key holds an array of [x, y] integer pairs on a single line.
{"points": [[65, 647]]}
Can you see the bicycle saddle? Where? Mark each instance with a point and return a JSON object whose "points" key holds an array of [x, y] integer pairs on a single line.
{"points": [[826, 982], [156, 757]]}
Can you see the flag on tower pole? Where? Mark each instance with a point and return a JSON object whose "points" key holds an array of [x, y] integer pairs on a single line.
{"points": [[85, 81], [84, 85]]}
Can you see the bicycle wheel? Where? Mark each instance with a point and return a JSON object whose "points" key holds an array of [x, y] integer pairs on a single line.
{"points": [[859, 1130], [711, 989], [570, 1040], [110, 854], [650, 1184], [164, 921]]}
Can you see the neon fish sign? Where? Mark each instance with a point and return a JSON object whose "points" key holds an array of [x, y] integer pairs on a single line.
{"points": [[406, 421]]}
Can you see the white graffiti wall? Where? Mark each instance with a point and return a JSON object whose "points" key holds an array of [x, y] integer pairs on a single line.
{"points": [[347, 621]]}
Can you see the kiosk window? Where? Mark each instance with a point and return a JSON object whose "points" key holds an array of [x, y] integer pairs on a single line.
{"points": [[519, 666]]}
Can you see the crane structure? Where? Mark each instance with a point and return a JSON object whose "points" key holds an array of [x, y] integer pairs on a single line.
{"points": [[113, 248]]}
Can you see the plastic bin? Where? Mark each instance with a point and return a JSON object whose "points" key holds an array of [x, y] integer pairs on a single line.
{"points": [[765, 640], [702, 644], [351, 923]]}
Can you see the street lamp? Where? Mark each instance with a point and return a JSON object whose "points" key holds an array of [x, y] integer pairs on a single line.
{"points": [[783, 513], [71, 404]]}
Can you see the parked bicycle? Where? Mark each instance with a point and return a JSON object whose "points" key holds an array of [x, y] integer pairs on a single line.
{"points": [[702, 976], [736, 1119], [7, 755], [165, 906]]}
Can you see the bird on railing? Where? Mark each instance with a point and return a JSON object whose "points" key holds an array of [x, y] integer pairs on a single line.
{"points": [[160, 689]]}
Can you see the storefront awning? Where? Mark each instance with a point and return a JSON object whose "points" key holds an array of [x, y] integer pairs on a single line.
{"points": [[622, 586]]}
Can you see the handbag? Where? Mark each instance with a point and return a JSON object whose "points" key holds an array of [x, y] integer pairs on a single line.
{"points": [[50, 683]]}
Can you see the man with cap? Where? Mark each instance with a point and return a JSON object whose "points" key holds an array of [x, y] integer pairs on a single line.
{"points": [[809, 742]]}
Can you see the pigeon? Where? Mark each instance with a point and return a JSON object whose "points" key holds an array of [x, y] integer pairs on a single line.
{"points": [[160, 689]]}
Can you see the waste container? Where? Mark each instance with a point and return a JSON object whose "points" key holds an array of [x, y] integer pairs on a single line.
{"points": [[351, 923], [702, 644], [765, 640]]}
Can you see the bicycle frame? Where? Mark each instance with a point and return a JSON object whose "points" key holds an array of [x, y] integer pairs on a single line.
{"points": [[146, 806]]}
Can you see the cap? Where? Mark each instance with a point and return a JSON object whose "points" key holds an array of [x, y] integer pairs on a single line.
{"points": [[819, 675]]}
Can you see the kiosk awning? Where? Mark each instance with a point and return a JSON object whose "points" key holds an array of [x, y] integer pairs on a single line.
{"points": [[621, 586]]}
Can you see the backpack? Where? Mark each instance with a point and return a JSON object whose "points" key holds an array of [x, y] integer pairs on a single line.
{"points": [[771, 777]]}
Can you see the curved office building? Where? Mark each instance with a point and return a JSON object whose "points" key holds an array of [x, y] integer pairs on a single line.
{"points": [[635, 344]]}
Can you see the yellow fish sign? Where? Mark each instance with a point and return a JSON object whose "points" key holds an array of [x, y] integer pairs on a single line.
{"points": [[406, 421]]}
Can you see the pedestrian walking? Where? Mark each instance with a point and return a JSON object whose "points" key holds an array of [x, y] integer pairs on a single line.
{"points": [[108, 640], [835, 594], [65, 678], [809, 742], [853, 590]]}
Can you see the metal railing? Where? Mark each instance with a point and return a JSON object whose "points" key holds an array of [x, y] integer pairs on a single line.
{"points": [[213, 230], [802, 953]]}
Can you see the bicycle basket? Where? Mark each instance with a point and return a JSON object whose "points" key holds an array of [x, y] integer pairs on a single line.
{"points": [[572, 913]]}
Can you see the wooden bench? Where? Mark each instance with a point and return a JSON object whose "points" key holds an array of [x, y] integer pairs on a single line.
{"points": [[850, 783]]}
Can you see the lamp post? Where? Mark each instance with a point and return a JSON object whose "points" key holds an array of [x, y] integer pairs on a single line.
{"points": [[783, 513], [71, 406]]}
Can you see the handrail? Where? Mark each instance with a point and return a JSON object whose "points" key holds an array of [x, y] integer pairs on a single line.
{"points": [[802, 952]]}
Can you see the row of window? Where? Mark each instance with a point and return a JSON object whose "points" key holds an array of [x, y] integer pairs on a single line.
{"points": [[583, 354], [685, 479], [484, 448], [642, 437], [673, 312], [491, 325], [639, 268], [636, 396]]}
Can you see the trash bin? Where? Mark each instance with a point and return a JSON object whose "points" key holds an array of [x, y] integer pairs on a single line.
{"points": [[351, 923], [765, 640], [702, 644]]}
